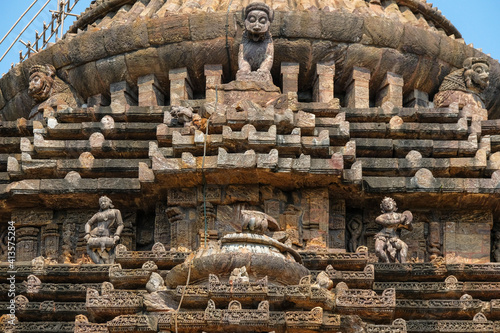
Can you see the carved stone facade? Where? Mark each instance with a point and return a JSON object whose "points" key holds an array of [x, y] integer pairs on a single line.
{"points": [[246, 150]]}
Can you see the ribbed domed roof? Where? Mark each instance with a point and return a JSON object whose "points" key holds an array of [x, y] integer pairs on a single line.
{"points": [[103, 13]]}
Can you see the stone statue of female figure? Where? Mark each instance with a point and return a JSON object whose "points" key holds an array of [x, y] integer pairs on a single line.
{"points": [[100, 242]]}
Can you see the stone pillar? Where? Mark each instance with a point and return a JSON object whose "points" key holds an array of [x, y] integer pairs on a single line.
{"points": [[358, 89], [434, 240], [290, 76], [150, 91], [416, 99], [213, 74], [316, 206], [180, 86], [50, 241], [391, 90], [162, 225], [27, 243], [337, 225], [122, 96], [323, 86]]}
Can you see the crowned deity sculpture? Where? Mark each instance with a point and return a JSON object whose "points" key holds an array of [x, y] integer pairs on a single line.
{"points": [[388, 245], [256, 53], [100, 241]]}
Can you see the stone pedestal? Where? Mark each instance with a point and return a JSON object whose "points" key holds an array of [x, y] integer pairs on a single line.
{"points": [[258, 92]]}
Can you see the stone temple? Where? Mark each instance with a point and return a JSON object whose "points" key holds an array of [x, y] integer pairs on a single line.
{"points": [[237, 166]]}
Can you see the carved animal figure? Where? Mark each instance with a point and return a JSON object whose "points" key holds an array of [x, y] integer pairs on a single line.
{"points": [[258, 222], [465, 85], [388, 245], [256, 53], [48, 91]]}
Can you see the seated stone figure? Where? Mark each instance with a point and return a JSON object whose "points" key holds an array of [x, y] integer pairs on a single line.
{"points": [[100, 243], [464, 87], [48, 91], [256, 53], [388, 245]]}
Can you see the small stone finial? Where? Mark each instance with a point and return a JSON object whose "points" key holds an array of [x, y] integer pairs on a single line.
{"points": [[256, 53]]}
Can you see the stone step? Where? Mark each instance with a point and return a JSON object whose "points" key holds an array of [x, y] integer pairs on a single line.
{"points": [[47, 310], [146, 114], [108, 127], [376, 147]]}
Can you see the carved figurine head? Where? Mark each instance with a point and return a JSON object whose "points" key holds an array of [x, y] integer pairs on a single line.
{"points": [[388, 205], [105, 203], [41, 82], [476, 74], [258, 18]]}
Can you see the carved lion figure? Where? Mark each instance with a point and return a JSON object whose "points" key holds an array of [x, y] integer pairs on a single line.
{"points": [[256, 53], [49, 91], [465, 85]]}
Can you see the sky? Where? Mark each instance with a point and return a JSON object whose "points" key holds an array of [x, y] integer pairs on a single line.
{"points": [[476, 20]]}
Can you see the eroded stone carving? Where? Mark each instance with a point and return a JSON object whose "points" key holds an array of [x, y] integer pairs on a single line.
{"points": [[100, 244], [388, 245], [465, 85], [239, 275], [496, 246], [48, 91], [356, 231], [258, 222], [256, 53]]}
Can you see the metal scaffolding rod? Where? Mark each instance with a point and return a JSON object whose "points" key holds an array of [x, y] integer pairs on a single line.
{"points": [[15, 24], [26, 27]]}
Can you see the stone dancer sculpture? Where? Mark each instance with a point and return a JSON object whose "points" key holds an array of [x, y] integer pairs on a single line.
{"points": [[100, 245], [256, 53], [465, 85], [49, 91], [388, 245]]}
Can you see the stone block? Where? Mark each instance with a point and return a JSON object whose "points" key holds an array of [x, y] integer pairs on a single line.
{"points": [[323, 87], [213, 74], [122, 96], [168, 29], [391, 90], [358, 88], [245, 160], [180, 86]]}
